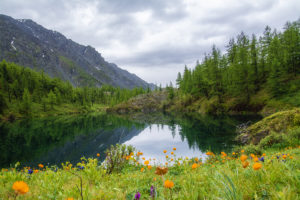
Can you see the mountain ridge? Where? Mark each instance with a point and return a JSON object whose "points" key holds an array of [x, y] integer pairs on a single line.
{"points": [[27, 43]]}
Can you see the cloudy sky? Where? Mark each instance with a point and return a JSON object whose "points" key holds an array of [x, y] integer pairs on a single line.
{"points": [[154, 38]]}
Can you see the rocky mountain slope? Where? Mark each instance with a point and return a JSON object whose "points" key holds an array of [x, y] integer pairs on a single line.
{"points": [[29, 44]]}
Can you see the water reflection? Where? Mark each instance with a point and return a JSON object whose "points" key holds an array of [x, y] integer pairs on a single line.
{"points": [[60, 139]]}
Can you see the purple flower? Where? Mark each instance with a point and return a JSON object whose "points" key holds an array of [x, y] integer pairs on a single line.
{"points": [[278, 157], [137, 196], [30, 171], [152, 191], [262, 159]]}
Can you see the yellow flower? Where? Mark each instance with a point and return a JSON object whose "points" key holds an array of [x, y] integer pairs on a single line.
{"points": [[154, 179], [146, 162], [255, 159], [233, 153], [174, 149], [149, 167], [98, 154], [194, 166], [69, 198], [257, 166], [284, 156], [167, 156], [242, 151], [252, 155], [20, 187], [196, 159], [172, 159], [142, 169], [172, 153], [165, 151], [41, 166], [169, 184], [243, 158]]}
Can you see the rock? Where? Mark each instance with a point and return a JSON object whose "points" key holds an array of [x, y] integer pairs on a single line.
{"points": [[260, 135]]}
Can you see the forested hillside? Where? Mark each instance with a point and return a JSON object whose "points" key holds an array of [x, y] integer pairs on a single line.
{"points": [[24, 92], [251, 72]]}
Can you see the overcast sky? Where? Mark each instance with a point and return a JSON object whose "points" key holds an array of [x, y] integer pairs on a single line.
{"points": [[154, 38]]}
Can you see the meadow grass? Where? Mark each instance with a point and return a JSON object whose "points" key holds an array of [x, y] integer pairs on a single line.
{"points": [[221, 176]]}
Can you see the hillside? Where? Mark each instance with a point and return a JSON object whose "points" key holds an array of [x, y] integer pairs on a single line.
{"points": [[29, 44]]}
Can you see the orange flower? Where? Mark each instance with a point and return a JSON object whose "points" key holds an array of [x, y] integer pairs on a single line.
{"points": [[167, 156], [243, 158], [154, 179], [233, 153], [284, 156], [223, 153], [98, 154], [257, 166], [242, 151], [69, 198], [178, 163], [146, 162], [174, 149], [41, 166], [196, 159], [245, 164], [35, 171], [209, 153], [263, 154], [169, 184], [255, 159], [166, 163], [194, 166], [149, 167], [252, 155], [142, 169], [172, 153], [165, 151], [143, 158], [20, 187], [172, 159]]}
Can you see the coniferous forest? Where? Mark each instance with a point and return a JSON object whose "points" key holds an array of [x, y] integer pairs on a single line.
{"points": [[251, 67], [25, 92]]}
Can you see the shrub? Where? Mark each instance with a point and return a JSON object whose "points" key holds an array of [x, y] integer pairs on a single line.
{"points": [[115, 159]]}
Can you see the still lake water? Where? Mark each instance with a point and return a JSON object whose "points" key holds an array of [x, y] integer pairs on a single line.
{"points": [[55, 140]]}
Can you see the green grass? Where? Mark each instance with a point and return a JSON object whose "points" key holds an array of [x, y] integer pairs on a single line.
{"points": [[214, 179]]}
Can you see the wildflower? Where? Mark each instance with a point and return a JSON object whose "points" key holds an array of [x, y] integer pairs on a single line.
{"points": [[35, 171], [277, 157], [169, 184], [137, 196], [245, 164], [166, 163], [152, 191], [41, 166], [178, 163], [131, 154], [262, 159], [69, 198], [154, 179], [98, 154], [291, 157], [243, 158], [149, 167], [257, 166], [143, 158], [20, 187], [233, 153], [172, 159], [161, 171], [30, 171], [194, 166], [252, 155], [142, 169], [255, 159], [263, 154], [284, 156], [172, 153], [242, 151], [146, 162], [209, 153], [174, 149], [196, 159], [165, 151], [223, 153], [167, 156]]}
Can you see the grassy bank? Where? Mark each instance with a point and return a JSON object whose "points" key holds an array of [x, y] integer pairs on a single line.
{"points": [[272, 175]]}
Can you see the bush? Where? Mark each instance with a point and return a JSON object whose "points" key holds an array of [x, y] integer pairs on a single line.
{"points": [[115, 159], [253, 149], [273, 138]]}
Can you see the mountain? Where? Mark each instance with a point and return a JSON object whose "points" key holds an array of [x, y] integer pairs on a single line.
{"points": [[29, 44]]}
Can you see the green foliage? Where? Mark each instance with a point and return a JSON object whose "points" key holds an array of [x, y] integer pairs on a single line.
{"points": [[115, 159], [15, 81], [249, 65]]}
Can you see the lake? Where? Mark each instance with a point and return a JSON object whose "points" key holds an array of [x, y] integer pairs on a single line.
{"points": [[55, 140]]}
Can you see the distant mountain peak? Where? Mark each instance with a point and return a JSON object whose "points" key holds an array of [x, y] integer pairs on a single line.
{"points": [[27, 43]]}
